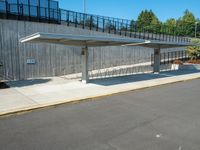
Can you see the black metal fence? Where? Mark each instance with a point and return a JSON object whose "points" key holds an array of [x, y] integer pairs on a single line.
{"points": [[170, 57], [87, 21], [119, 26], [29, 12]]}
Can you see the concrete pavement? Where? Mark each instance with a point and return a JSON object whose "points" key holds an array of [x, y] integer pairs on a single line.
{"points": [[159, 118], [32, 94]]}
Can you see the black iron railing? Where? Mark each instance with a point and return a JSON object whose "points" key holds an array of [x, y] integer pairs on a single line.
{"points": [[120, 26], [170, 57], [92, 22], [29, 12]]}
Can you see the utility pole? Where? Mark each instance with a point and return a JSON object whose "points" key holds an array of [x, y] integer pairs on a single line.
{"points": [[84, 6]]}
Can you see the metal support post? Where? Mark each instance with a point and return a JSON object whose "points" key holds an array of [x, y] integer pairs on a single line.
{"points": [[84, 54], [156, 67]]}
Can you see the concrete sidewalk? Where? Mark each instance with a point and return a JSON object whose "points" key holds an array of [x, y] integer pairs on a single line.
{"points": [[38, 93]]}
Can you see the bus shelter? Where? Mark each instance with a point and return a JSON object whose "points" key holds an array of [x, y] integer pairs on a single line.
{"points": [[86, 41]]}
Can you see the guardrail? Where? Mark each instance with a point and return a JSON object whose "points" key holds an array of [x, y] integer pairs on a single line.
{"points": [[92, 22]]}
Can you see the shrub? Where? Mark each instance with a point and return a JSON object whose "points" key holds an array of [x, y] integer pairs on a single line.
{"points": [[179, 62], [194, 51], [194, 61]]}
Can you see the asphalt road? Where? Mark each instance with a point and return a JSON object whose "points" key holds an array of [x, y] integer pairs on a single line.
{"points": [[160, 118]]}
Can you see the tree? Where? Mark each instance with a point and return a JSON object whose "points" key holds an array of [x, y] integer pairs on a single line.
{"points": [[148, 21], [198, 27], [171, 26], [186, 24]]}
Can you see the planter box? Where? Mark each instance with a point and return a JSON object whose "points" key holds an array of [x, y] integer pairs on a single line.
{"points": [[175, 66]]}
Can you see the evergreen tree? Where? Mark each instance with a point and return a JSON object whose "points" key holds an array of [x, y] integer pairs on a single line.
{"points": [[186, 24], [148, 21], [171, 26]]}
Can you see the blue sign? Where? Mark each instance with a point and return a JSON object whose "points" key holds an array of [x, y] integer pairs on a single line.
{"points": [[31, 61]]}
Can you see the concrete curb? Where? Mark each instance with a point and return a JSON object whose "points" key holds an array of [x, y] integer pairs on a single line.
{"points": [[126, 88]]}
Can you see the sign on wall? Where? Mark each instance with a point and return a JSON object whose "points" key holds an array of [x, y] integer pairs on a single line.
{"points": [[31, 61]]}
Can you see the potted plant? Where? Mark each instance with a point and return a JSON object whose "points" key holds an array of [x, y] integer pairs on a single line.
{"points": [[176, 64]]}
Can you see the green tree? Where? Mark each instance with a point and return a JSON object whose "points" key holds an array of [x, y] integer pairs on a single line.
{"points": [[148, 21], [171, 26], [186, 24], [198, 27]]}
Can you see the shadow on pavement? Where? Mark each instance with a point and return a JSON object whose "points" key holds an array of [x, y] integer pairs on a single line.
{"points": [[3, 85], [24, 83], [140, 77]]}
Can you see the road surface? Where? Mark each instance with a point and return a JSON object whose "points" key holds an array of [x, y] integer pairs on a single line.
{"points": [[160, 118]]}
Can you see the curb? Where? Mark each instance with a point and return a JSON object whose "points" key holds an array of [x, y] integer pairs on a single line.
{"points": [[94, 97]]}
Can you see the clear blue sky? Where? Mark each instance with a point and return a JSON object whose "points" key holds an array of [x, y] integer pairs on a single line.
{"points": [[129, 9]]}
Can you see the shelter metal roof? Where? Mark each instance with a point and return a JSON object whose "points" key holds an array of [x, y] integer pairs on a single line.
{"points": [[97, 41]]}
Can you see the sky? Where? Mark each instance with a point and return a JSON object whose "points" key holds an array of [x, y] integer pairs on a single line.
{"points": [[130, 9]]}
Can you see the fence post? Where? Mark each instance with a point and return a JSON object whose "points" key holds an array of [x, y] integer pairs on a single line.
{"points": [[97, 27], [139, 33], [6, 9], [135, 28], [182, 56], [91, 21], [103, 24], [126, 29], [60, 17], [168, 57], [29, 10], [76, 20], [38, 13], [83, 26], [164, 58], [143, 32], [115, 27], [68, 18], [109, 25], [22, 9]]}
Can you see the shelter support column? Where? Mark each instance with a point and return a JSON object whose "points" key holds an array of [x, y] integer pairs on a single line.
{"points": [[156, 66], [84, 55]]}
